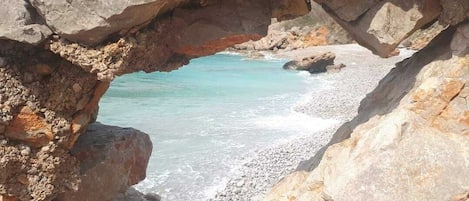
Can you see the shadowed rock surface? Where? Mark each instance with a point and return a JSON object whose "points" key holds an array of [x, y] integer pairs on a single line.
{"points": [[111, 160]]}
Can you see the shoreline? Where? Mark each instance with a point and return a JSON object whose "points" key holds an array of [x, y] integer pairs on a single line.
{"points": [[339, 100]]}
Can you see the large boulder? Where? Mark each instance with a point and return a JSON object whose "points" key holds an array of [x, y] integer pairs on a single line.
{"points": [[409, 140], [111, 160], [315, 64], [20, 22], [386, 23]]}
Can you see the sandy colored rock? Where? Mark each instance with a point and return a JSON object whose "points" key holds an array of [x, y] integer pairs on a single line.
{"points": [[314, 29], [422, 37], [409, 141], [111, 160], [35, 173]]}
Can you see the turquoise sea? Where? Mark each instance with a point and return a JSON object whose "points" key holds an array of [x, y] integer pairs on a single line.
{"points": [[208, 117]]}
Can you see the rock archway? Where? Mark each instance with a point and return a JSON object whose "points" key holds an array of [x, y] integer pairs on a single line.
{"points": [[58, 57]]}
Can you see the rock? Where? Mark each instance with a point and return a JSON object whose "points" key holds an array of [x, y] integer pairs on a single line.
{"points": [[40, 82], [35, 174], [111, 160], [285, 10], [422, 37], [385, 24], [152, 197], [90, 22], [133, 194], [6, 198], [349, 10], [334, 68], [20, 22], [411, 133], [317, 28], [454, 11], [171, 40], [29, 127], [313, 64], [97, 41]]}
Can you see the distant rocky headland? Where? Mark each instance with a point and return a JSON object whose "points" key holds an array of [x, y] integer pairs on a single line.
{"points": [[409, 140]]}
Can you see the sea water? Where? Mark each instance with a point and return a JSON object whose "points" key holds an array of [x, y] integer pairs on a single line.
{"points": [[208, 117]]}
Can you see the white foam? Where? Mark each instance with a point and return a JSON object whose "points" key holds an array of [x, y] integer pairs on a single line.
{"points": [[228, 53], [271, 57], [294, 121]]}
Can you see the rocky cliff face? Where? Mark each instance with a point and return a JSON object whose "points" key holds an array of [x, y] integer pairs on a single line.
{"points": [[410, 138], [57, 58], [56, 61], [314, 29]]}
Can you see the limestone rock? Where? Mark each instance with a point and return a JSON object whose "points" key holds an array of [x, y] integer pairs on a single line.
{"points": [[314, 64], [35, 173], [39, 104], [90, 22], [111, 160], [409, 140], [383, 26], [20, 22], [422, 37], [314, 29], [170, 41]]}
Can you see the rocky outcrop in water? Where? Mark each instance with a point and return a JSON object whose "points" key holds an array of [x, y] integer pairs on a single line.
{"points": [[57, 59]]}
